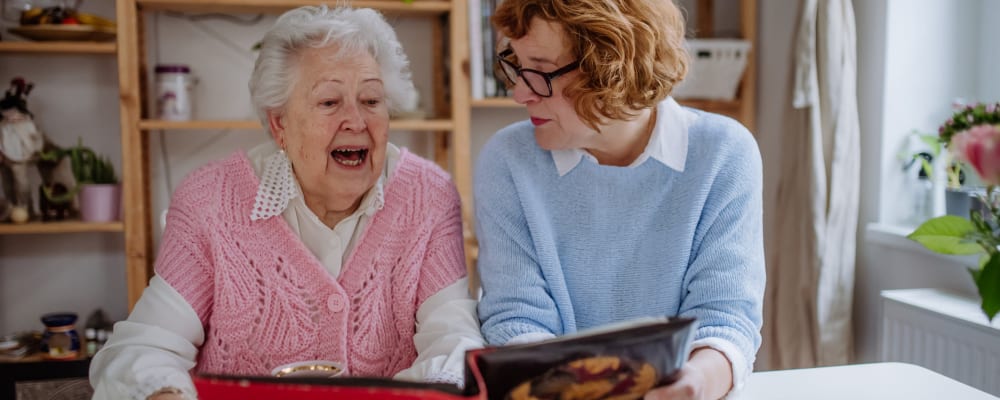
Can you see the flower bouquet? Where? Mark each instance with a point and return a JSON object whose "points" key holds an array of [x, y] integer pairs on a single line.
{"points": [[972, 136]]}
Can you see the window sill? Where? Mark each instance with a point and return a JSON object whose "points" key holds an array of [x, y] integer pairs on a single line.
{"points": [[894, 237]]}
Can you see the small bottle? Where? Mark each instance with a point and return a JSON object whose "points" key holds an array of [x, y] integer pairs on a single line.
{"points": [[922, 193], [91, 335], [923, 200], [173, 92]]}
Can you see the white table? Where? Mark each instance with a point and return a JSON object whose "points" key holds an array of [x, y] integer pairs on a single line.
{"points": [[882, 381]]}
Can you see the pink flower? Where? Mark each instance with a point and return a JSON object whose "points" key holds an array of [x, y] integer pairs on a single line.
{"points": [[980, 147]]}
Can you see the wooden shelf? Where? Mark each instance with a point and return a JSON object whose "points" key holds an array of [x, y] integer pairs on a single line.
{"points": [[726, 107], [496, 102], [61, 227], [431, 7], [422, 125], [729, 108], [59, 47], [396, 124], [159, 124]]}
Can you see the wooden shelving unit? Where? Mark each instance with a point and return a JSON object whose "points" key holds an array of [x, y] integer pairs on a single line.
{"points": [[432, 7], [58, 47], [496, 102], [725, 107], [60, 227], [743, 108], [450, 124], [396, 124], [34, 367]]}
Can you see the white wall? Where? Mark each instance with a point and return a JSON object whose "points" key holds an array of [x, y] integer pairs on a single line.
{"points": [[871, 32], [911, 67], [989, 62], [931, 59]]}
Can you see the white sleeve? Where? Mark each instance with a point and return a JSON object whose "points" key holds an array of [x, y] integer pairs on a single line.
{"points": [[447, 326], [151, 350]]}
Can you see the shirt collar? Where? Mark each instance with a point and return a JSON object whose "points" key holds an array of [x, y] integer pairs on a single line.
{"points": [[286, 186], [667, 144]]}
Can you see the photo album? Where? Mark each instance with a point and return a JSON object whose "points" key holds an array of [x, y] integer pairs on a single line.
{"points": [[621, 361]]}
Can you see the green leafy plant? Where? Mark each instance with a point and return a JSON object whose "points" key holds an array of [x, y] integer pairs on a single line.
{"points": [[88, 168], [935, 149], [972, 135]]}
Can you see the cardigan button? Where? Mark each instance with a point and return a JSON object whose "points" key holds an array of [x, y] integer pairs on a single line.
{"points": [[335, 304]]}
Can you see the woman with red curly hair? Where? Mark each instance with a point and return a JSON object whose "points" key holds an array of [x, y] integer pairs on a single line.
{"points": [[613, 202]]}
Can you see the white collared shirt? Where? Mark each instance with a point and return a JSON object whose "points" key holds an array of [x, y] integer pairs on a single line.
{"points": [[667, 144], [164, 331]]}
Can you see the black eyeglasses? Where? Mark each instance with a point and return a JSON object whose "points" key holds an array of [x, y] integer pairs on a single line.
{"points": [[538, 81]]}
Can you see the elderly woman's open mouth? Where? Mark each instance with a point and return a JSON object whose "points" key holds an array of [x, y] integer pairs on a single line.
{"points": [[350, 156]]}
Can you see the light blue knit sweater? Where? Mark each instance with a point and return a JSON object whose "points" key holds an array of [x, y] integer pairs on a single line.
{"points": [[604, 244]]}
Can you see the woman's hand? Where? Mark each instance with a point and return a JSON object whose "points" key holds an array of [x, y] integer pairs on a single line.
{"points": [[706, 376]]}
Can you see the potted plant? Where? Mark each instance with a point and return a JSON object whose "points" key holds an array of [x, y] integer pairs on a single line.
{"points": [[957, 197], [973, 136], [97, 188]]}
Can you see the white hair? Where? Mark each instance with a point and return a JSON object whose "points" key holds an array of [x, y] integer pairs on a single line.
{"points": [[351, 29]]}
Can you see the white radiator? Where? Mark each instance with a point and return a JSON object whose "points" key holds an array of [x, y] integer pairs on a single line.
{"points": [[943, 332]]}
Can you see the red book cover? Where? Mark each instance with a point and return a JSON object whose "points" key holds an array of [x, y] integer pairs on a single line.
{"points": [[267, 388]]}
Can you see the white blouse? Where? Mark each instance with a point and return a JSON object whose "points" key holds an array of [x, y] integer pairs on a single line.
{"points": [[158, 344]]}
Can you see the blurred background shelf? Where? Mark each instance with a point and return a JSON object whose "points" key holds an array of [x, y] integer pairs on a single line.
{"points": [[396, 124], [498, 102], [278, 6], [59, 47], [60, 227], [725, 107]]}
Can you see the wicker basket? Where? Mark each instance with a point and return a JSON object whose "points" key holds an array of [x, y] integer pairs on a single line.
{"points": [[715, 70]]}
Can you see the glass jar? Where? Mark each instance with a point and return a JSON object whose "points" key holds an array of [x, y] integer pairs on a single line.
{"points": [[173, 92], [60, 340]]}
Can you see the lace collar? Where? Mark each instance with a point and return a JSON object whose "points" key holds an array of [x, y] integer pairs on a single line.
{"points": [[278, 186]]}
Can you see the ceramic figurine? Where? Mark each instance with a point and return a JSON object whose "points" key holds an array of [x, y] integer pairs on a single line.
{"points": [[20, 142], [23, 147]]}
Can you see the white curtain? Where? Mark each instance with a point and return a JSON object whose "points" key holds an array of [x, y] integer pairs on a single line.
{"points": [[811, 265]]}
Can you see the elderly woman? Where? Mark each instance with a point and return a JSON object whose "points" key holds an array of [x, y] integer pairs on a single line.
{"points": [[328, 247], [614, 202]]}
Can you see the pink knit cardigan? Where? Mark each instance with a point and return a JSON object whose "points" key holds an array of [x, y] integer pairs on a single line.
{"points": [[264, 300]]}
